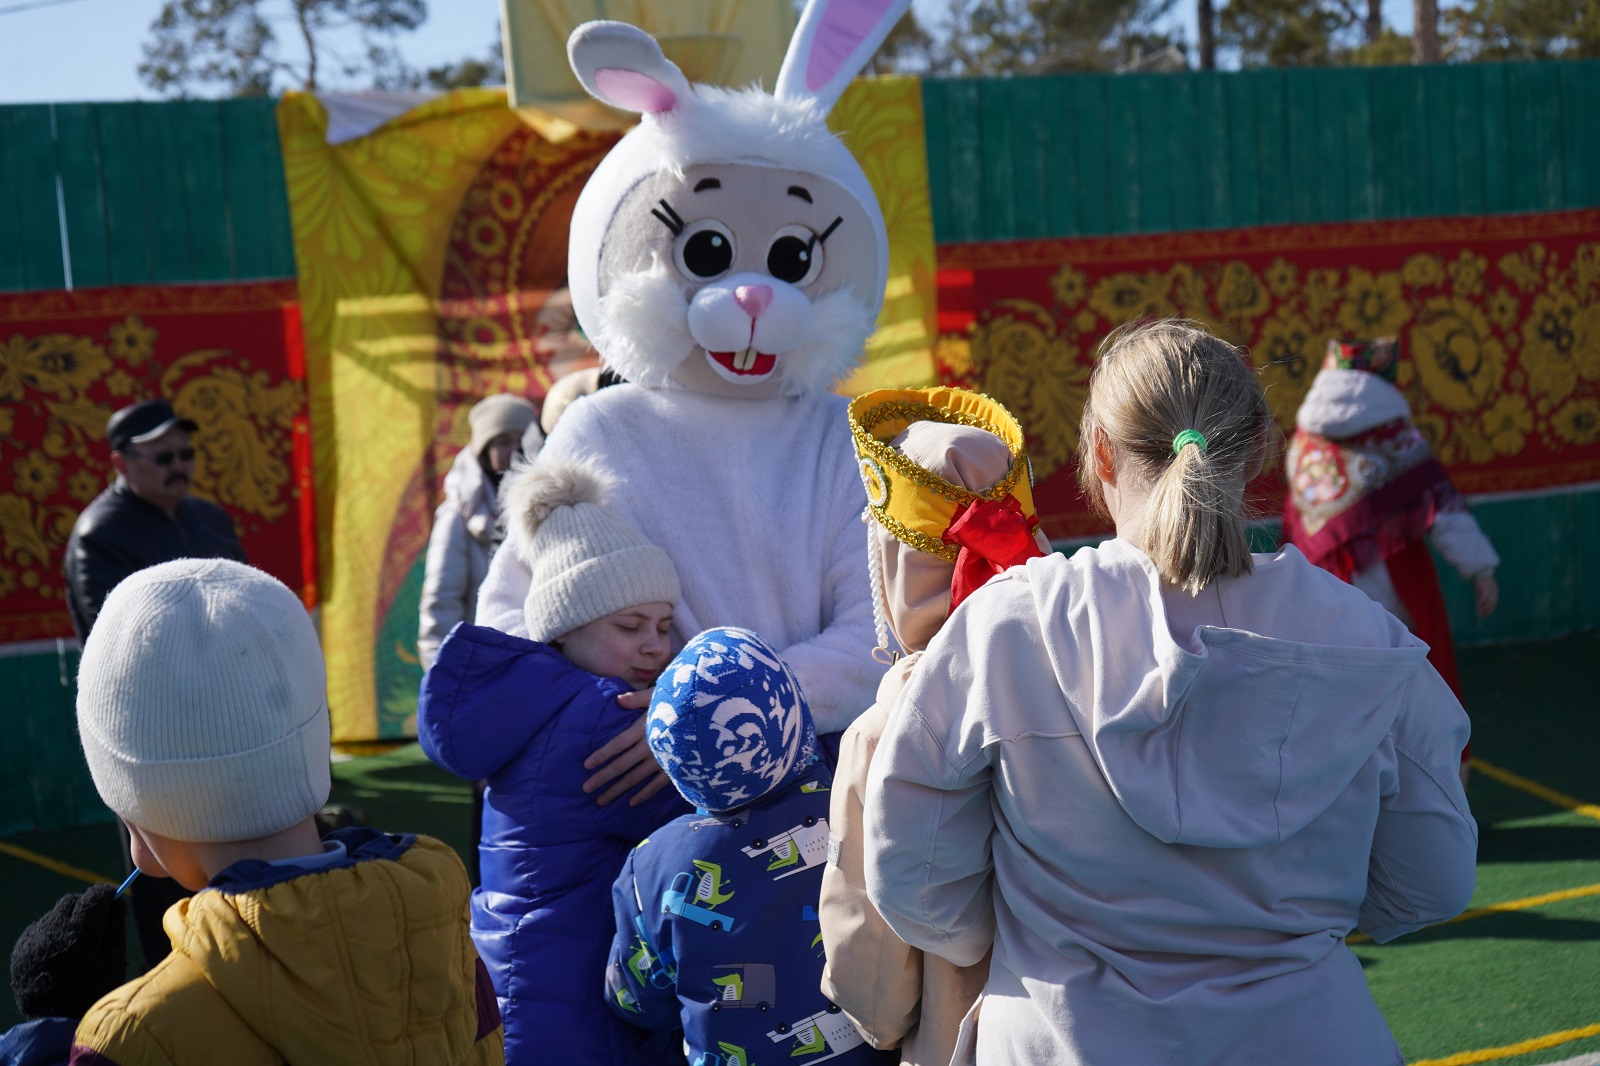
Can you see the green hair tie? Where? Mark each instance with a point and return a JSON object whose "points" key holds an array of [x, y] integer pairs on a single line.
{"points": [[1188, 436]]}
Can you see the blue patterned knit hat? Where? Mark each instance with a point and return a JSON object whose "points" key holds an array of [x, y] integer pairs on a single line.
{"points": [[728, 722]]}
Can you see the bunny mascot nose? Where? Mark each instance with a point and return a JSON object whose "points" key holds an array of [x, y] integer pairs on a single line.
{"points": [[753, 298]]}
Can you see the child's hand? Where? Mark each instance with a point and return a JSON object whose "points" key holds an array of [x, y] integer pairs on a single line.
{"points": [[1488, 593], [627, 759]]}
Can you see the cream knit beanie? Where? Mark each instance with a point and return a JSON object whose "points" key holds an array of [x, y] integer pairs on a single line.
{"points": [[584, 561], [202, 703]]}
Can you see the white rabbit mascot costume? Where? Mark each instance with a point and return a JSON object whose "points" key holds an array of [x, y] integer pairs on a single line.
{"points": [[728, 259]]}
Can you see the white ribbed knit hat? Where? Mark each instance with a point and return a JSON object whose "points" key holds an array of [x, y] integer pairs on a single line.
{"points": [[202, 703], [584, 561]]}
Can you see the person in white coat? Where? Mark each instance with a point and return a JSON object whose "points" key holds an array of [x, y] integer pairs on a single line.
{"points": [[466, 524], [1164, 779]]}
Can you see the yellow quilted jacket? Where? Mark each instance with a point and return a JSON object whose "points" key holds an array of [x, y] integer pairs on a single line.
{"points": [[369, 962]]}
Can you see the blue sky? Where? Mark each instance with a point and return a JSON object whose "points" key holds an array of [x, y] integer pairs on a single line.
{"points": [[90, 49]]}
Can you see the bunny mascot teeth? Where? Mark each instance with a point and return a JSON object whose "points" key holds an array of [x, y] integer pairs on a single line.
{"points": [[728, 259]]}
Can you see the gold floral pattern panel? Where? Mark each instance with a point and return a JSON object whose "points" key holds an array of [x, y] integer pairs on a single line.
{"points": [[1498, 318], [227, 356]]}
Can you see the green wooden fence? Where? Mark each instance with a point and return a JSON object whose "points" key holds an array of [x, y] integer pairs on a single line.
{"points": [[150, 193], [1088, 155]]}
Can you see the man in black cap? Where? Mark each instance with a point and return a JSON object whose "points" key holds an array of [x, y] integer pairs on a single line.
{"points": [[147, 516]]}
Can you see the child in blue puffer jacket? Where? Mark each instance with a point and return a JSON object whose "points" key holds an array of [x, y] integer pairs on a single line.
{"points": [[524, 715], [716, 919]]}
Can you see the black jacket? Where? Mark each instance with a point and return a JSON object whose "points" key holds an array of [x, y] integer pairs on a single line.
{"points": [[119, 533]]}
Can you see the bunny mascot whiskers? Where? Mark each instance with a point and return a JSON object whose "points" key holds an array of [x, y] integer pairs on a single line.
{"points": [[728, 259]]}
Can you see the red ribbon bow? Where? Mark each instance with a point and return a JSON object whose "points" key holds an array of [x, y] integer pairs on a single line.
{"points": [[994, 536]]}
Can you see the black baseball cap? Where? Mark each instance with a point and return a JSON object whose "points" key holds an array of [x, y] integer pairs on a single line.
{"points": [[142, 422]]}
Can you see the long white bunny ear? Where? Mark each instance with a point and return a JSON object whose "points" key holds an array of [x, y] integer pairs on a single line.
{"points": [[833, 42], [622, 65]]}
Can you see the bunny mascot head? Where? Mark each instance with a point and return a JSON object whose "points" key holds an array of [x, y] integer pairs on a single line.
{"points": [[727, 259], [730, 243]]}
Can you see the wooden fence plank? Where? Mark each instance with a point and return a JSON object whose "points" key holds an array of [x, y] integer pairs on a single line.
{"points": [[1466, 116], [12, 274], [1153, 95], [1124, 173], [1536, 93], [966, 162], [1577, 131], [1326, 144], [1437, 96], [198, 131], [1217, 130], [1189, 175], [129, 240], [1585, 105], [82, 198], [276, 258], [1094, 166], [1242, 138], [1272, 148], [1067, 158], [1497, 195], [1302, 140], [162, 169], [996, 108], [29, 176], [1034, 128], [1391, 158], [1360, 198]]}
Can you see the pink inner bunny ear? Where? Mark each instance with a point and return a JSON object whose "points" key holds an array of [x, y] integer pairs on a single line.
{"points": [[845, 24], [633, 91]]}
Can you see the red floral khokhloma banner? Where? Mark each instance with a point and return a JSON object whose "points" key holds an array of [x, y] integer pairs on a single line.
{"points": [[1498, 318], [227, 356]]}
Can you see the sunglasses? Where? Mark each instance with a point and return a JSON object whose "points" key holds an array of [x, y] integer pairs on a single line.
{"points": [[165, 458]]}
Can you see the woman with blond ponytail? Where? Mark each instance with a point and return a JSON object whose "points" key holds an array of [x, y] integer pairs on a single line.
{"points": [[1163, 779]]}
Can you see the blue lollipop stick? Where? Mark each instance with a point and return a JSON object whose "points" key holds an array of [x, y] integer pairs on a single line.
{"points": [[124, 886]]}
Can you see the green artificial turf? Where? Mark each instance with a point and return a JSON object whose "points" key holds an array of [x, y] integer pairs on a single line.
{"points": [[1479, 983], [1502, 979]]}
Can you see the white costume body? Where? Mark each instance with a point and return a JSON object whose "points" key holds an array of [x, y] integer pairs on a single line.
{"points": [[758, 504]]}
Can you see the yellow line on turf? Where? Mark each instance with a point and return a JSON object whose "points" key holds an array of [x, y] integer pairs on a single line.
{"points": [[1489, 1054], [54, 865], [1533, 788], [1501, 908]]}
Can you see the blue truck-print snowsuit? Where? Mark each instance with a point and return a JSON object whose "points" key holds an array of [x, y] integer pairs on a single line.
{"points": [[716, 922]]}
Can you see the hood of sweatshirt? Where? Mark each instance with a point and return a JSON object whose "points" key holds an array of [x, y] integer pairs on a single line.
{"points": [[1342, 403], [1227, 739], [368, 961]]}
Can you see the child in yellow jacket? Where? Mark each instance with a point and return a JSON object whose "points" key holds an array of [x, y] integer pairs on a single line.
{"points": [[204, 718]]}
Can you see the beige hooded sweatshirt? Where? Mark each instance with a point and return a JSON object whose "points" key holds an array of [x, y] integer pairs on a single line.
{"points": [[894, 993]]}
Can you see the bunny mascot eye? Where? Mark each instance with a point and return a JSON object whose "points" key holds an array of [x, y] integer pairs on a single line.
{"points": [[727, 258], [704, 251], [795, 255]]}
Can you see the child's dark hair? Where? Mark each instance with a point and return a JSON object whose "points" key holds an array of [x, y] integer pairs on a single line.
{"points": [[1185, 414]]}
